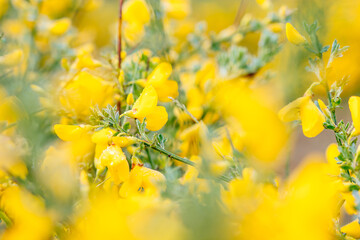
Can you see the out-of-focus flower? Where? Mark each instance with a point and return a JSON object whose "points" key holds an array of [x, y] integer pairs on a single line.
{"points": [[54, 8], [59, 27], [135, 15], [58, 172], [30, 219], [177, 9], [4, 6], [12, 59], [284, 215], [144, 178], [83, 92], [248, 110], [145, 217], [10, 159], [293, 35]]}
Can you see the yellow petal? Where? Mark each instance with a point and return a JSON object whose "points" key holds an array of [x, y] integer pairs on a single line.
{"points": [[136, 11], [151, 177], [59, 27], [132, 185], [293, 35], [145, 103], [12, 59], [352, 229], [291, 112], [323, 107], [160, 74], [312, 119], [354, 105], [167, 89], [130, 99], [115, 160], [69, 132], [124, 141], [332, 152], [156, 119], [103, 136]]}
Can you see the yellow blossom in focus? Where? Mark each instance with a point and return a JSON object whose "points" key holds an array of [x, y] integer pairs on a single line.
{"points": [[165, 88], [102, 139], [115, 160], [70, 132], [304, 109], [146, 107], [124, 141]]}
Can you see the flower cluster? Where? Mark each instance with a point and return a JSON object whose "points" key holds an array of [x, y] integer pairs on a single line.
{"points": [[159, 128]]}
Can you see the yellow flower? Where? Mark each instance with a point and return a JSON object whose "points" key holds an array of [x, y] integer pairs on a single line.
{"points": [[9, 110], [157, 118], [30, 219], [124, 141], [248, 109], [70, 132], [4, 5], [332, 152], [12, 59], [177, 9], [142, 177], [83, 92], [135, 15], [146, 107], [293, 35], [115, 160], [352, 229], [145, 103], [102, 139], [354, 105], [54, 8], [136, 11], [311, 119], [304, 109], [165, 88], [14, 28], [59, 27], [130, 99]]}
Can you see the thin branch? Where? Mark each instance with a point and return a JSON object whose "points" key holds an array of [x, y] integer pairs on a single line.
{"points": [[119, 33]]}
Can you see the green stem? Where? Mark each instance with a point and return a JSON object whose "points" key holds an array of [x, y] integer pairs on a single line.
{"points": [[150, 159], [176, 157], [5, 218], [169, 154]]}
